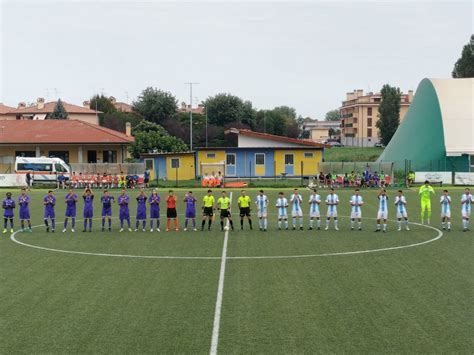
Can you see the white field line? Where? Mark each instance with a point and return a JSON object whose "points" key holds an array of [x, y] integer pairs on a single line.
{"points": [[220, 293]]}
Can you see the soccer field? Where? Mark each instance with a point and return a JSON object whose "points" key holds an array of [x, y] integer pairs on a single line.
{"points": [[239, 292]]}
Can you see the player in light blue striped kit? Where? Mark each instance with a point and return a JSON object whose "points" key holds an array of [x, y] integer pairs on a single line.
{"points": [[332, 200], [296, 210], [382, 214], [282, 205], [356, 210], [262, 204], [314, 202], [466, 202], [445, 202], [401, 206]]}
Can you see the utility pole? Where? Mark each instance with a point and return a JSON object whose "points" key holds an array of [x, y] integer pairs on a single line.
{"points": [[191, 114]]}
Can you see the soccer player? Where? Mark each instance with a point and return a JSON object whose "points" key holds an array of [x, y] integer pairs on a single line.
{"points": [[314, 202], [466, 202], [8, 205], [262, 204], [124, 213], [49, 201], [296, 200], [141, 210], [223, 204], [244, 206], [382, 213], [107, 201], [425, 199], [24, 202], [154, 201], [171, 213], [445, 210], [88, 211], [207, 210], [190, 213], [282, 205], [71, 201], [356, 211], [401, 205], [332, 200]]}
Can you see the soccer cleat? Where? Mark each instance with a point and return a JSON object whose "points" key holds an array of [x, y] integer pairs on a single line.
{"points": [[5, 231], [129, 229], [64, 230], [83, 231], [110, 229], [301, 228], [251, 228], [360, 228], [286, 228], [444, 228], [143, 230], [399, 229], [310, 228], [121, 230], [30, 230], [407, 228], [279, 228], [157, 229], [72, 230], [52, 230], [319, 228], [103, 229], [294, 228], [377, 230], [336, 228], [352, 228], [151, 230], [195, 229], [47, 229], [327, 228], [177, 229], [185, 229], [384, 231], [136, 230]]}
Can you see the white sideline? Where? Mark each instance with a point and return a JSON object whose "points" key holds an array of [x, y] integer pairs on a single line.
{"points": [[220, 292]]}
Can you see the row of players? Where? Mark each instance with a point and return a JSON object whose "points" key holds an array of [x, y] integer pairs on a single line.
{"points": [[223, 204]]}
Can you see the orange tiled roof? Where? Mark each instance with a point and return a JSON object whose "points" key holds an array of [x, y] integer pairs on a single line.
{"points": [[58, 131], [5, 109], [49, 108], [123, 106]]}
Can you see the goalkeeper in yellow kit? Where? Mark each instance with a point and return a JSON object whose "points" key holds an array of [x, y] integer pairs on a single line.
{"points": [[424, 192]]}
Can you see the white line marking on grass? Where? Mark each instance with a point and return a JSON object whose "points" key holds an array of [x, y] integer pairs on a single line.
{"points": [[220, 292]]}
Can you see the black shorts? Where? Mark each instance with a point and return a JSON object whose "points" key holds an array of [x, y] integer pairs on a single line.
{"points": [[171, 213], [208, 212], [225, 213], [245, 211], [146, 181]]}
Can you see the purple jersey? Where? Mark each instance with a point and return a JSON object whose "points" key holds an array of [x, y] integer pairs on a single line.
{"points": [[154, 201], [107, 205], [23, 202], [8, 205], [88, 207], [123, 201], [71, 201], [49, 202], [141, 207], [190, 202]]}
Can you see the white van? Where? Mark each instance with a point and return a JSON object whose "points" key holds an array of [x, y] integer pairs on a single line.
{"points": [[43, 169]]}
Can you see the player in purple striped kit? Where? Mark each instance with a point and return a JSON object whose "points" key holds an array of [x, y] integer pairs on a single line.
{"points": [[23, 202], [49, 201], [154, 201], [190, 202], [71, 202], [141, 210], [88, 212], [124, 213], [107, 200], [8, 205]]}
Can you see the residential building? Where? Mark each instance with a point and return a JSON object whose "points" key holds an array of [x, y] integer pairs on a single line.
{"points": [[4, 110], [120, 106], [74, 141], [41, 109], [319, 131], [200, 109], [359, 115]]}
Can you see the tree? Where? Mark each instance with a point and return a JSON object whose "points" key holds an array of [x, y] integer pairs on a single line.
{"points": [[226, 108], [464, 67], [333, 115], [117, 120], [156, 105], [103, 104], [59, 112], [389, 113], [152, 137]]}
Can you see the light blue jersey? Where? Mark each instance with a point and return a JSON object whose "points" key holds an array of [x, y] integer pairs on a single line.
{"points": [[466, 201], [445, 205], [332, 200], [282, 204], [400, 203], [261, 202], [314, 201], [296, 201], [383, 200], [356, 203]]}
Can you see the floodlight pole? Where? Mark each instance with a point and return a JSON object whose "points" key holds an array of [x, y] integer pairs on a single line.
{"points": [[191, 114]]}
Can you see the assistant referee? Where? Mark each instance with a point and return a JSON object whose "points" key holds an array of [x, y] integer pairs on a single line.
{"points": [[244, 202], [208, 203]]}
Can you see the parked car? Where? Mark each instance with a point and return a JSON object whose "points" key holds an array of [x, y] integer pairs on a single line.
{"points": [[379, 145], [336, 144]]}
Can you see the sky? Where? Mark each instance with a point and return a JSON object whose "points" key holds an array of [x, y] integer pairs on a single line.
{"points": [[302, 54]]}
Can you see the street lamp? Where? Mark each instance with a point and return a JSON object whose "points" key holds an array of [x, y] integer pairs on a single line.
{"points": [[191, 114]]}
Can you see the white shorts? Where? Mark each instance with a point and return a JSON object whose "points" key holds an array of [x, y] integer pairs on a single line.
{"points": [[262, 214], [402, 215], [466, 214], [297, 213], [315, 214], [446, 215], [332, 214], [283, 216], [356, 215], [382, 214]]}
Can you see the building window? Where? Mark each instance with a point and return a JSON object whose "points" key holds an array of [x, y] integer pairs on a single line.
{"points": [[289, 159], [259, 159], [61, 154], [25, 153], [110, 156], [308, 155], [175, 163], [369, 132], [377, 99], [230, 159], [369, 111], [210, 155], [354, 120], [369, 121]]}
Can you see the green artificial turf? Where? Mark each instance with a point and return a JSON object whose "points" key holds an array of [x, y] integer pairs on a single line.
{"points": [[411, 300]]}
